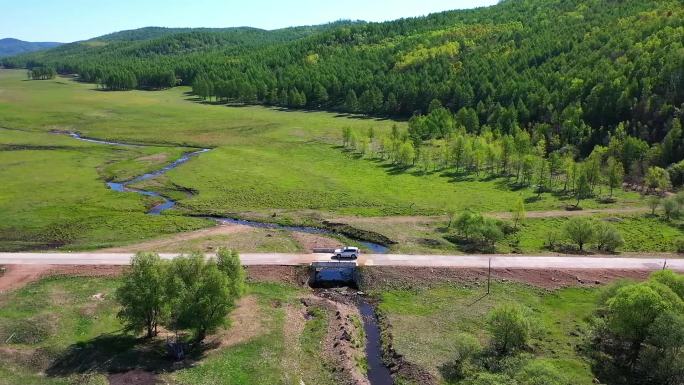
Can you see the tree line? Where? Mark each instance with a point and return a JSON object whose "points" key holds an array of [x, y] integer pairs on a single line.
{"points": [[575, 72]]}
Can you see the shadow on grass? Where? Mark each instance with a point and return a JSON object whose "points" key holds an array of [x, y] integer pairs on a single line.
{"points": [[114, 353]]}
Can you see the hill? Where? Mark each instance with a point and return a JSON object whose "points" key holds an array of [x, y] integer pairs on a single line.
{"points": [[572, 71], [11, 47]]}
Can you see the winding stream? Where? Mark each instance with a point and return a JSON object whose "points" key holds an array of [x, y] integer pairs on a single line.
{"points": [[168, 203]]}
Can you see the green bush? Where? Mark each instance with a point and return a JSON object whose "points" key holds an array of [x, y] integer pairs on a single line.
{"points": [[510, 328], [466, 349], [607, 237], [540, 373], [679, 245], [579, 231]]}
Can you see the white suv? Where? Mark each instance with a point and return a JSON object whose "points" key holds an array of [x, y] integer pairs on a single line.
{"points": [[347, 252]]}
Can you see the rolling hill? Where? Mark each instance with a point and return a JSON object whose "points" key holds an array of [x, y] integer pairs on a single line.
{"points": [[572, 71], [11, 47]]}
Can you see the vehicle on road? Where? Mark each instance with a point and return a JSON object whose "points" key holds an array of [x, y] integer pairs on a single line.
{"points": [[347, 252]]}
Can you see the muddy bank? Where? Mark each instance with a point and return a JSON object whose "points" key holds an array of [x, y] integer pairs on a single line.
{"points": [[396, 277], [401, 369], [355, 233], [342, 346]]}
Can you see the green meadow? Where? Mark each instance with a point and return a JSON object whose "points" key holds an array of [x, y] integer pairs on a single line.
{"points": [[64, 331], [263, 161], [427, 324]]}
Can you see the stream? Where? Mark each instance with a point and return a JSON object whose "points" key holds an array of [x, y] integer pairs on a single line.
{"points": [[168, 203], [378, 373]]}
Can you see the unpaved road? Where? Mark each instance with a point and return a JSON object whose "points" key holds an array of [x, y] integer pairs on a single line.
{"points": [[470, 261]]}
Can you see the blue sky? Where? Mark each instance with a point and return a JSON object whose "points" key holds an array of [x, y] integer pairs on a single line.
{"points": [[71, 20]]}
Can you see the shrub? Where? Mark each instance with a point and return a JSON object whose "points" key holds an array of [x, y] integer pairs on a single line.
{"points": [[580, 231], [510, 328], [679, 245], [671, 208], [540, 373], [473, 227], [467, 347], [607, 237], [553, 239]]}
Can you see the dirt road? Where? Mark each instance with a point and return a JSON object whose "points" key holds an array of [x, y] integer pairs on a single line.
{"points": [[470, 261]]}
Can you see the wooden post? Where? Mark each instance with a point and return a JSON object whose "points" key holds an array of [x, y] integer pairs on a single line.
{"points": [[489, 276]]}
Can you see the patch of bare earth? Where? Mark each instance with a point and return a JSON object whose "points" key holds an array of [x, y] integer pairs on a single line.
{"points": [[338, 347], [134, 377], [245, 324], [292, 275], [177, 241], [385, 277], [17, 276], [310, 242]]}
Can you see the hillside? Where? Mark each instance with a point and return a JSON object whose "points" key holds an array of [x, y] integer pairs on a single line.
{"points": [[11, 47], [571, 71]]}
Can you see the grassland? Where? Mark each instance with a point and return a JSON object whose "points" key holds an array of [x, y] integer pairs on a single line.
{"points": [[55, 332], [263, 161], [642, 233], [53, 194], [427, 322]]}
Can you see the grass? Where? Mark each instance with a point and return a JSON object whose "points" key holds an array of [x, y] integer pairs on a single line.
{"points": [[426, 322], [57, 328], [264, 160], [642, 233]]}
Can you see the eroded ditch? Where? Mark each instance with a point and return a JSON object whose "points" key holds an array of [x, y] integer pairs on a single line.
{"points": [[377, 243]]}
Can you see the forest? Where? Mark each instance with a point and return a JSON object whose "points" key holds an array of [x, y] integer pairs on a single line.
{"points": [[571, 73]]}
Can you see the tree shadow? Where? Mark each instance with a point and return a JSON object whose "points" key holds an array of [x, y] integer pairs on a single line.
{"points": [[115, 353]]}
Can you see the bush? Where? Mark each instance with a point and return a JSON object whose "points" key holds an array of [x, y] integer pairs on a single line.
{"points": [[466, 349], [607, 237], [473, 227], [490, 379], [671, 208], [554, 238], [679, 245], [580, 231], [510, 328], [540, 373]]}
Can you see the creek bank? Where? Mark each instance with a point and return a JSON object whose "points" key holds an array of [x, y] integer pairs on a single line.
{"points": [[376, 243]]}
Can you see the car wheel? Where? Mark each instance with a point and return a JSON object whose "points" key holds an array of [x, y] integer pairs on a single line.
{"points": [[353, 256], [338, 256]]}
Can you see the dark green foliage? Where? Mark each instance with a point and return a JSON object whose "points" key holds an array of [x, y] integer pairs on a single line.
{"points": [[578, 73], [638, 338], [42, 73]]}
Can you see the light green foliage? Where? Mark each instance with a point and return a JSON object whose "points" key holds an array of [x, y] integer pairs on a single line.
{"points": [[580, 231], [510, 328], [490, 379], [473, 227], [518, 212], [200, 294], [672, 208], [657, 178], [540, 373], [607, 237], [142, 296], [228, 261]]}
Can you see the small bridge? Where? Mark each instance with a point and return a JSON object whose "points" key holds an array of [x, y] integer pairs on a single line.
{"points": [[333, 274]]}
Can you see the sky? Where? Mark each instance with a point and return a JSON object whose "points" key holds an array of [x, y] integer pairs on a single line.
{"points": [[72, 20]]}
